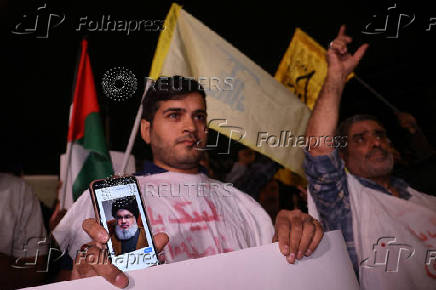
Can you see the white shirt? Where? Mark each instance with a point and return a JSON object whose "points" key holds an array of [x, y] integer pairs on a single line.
{"points": [[201, 216], [22, 224], [394, 238]]}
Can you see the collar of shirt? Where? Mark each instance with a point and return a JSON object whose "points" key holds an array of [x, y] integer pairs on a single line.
{"points": [[398, 183], [151, 168]]}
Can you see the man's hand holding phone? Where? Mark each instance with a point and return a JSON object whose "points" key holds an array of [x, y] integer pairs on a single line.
{"points": [[91, 265]]}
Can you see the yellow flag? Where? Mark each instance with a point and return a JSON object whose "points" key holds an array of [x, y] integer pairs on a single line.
{"points": [[303, 68]]}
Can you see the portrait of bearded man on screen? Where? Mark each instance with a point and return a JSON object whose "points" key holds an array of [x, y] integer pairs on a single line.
{"points": [[128, 234]]}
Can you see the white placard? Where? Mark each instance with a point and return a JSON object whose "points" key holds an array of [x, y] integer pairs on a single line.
{"points": [[258, 268]]}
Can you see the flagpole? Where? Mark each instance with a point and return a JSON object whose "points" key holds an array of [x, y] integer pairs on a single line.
{"points": [[65, 176], [377, 94], [68, 150], [148, 84]]}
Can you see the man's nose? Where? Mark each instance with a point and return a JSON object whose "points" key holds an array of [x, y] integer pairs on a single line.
{"points": [[376, 141], [189, 125]]}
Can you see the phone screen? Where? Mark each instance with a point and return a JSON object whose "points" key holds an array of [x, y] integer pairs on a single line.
{"points": [[122, 214]]}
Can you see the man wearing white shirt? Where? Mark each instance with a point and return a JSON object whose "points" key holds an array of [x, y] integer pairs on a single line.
{"points": [[387, 225], [199, 216]]}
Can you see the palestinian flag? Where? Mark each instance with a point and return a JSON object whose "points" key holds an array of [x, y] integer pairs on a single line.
{"points": [[89, 158]]}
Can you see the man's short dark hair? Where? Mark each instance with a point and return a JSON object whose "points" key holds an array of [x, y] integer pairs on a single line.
{"points": [[128, 203], [344, 127], [168, 88]]}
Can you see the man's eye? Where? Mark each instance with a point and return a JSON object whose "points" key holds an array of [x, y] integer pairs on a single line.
{"points": [[360, 140], [200, 117], [173, 115]]}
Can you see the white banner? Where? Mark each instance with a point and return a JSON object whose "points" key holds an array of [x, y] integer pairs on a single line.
{"points": [[259, 268]]}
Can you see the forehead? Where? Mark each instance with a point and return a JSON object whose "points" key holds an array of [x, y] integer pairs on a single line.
{"points": [[362, 126], [189, 102]]}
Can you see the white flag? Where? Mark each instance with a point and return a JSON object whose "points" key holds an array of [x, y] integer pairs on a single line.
{"points": [[247, 103]]}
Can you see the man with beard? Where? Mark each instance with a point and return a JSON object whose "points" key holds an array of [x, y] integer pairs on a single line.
{"points": [[388, 226], [191, 215], [128, 236]]}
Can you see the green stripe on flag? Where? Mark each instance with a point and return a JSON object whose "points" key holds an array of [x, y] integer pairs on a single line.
{"points": [[98, 164], [93, 139], [95, 167]]}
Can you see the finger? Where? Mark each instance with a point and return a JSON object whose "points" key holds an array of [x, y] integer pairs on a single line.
{"points": [[345, 39], [112, 274], [160, 241], [95, 231], [88, 254], [161, 258], [360, 52], [296, 234], [317, 237], [342, 31], [339, 46], [82, 270], [98, 260], [282, 233], [306, 238], [275, 238]]}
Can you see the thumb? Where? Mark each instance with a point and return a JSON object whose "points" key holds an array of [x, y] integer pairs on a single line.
{"points": [[160, 241], [360, 52]]}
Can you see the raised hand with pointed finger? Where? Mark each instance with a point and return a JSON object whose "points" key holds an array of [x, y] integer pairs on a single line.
{"points": [[340, 61]]}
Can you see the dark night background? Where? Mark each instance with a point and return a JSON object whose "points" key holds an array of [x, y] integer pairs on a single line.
{"points": [[38, 73]]}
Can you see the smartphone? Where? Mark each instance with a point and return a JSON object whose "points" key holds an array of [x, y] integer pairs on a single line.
{"points": [[120, 210]]}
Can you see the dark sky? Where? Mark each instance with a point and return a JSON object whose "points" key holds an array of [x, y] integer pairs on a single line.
{"points": [[38, 72]]}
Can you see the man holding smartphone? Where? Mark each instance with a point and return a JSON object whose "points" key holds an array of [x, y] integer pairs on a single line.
{"points": [[190, 214]]}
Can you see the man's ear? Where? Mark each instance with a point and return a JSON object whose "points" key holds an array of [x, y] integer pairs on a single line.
{"points": [[145, 131]]}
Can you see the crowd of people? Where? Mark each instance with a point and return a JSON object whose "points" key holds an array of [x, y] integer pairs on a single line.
{"points": [[352, 189]]}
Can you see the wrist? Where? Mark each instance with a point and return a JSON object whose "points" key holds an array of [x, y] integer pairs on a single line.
{"points": [[334, 84]]}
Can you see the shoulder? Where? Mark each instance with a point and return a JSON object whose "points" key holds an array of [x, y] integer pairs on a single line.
{"points": [[15, 184], [16, 194], [423, 199]]}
